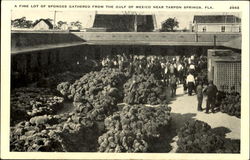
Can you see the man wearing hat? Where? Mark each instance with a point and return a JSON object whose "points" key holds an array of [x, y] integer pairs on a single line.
{"points": [[211, 92], [190, 83], [199, 91]]}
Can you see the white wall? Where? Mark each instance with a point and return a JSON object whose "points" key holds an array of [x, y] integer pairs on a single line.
{"points": [[217, 27], [41, 26], [64, 27]]}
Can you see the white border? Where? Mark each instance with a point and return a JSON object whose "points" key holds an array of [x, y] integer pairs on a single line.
{"points": [[219, 6]]}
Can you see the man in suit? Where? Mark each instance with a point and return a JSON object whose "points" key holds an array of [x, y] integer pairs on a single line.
{"points": [[173, 85], [199, 91], [211, 92]]}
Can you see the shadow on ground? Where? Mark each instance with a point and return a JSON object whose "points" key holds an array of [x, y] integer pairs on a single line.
{"points": [[222, 131], [170, 98], [163, 144], [230, 145]]}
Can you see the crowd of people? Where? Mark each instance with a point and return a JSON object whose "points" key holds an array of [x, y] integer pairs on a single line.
{"points": [[172, 70], [190, 71]]}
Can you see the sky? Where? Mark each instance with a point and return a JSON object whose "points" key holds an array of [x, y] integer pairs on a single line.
{"points": [[87, 17]]}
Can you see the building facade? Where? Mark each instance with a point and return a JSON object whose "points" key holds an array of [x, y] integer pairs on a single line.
{"points": [[64, 27], [216, 23], [125, 23], [224, 68], [42, 24], [51, 52]]}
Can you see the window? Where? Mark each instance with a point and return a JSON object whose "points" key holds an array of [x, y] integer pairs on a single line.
{"points": [[239, 28], [223, 28], [204, 29]]}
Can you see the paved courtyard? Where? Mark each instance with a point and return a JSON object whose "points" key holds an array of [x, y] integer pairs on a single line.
{"points": [[184, 108]]}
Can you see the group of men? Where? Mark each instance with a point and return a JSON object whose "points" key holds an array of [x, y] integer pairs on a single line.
{"points": [[163, 67], [171, 70], [214, 96], [146, 65], [211, 91], [186, 70]]}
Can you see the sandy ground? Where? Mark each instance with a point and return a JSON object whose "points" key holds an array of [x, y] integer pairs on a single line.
{"points": [[184, 108]]}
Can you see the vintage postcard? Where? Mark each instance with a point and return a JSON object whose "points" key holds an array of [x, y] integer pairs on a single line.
{"points": [[125, 80]]}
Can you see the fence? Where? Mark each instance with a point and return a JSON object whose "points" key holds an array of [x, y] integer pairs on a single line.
{"points": [[224, 68]]}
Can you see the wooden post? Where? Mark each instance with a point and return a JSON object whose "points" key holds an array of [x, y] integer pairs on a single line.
{"points": [[155, 22], [135, 23], [54, 21], [196, 37], [214, 41], [54, 25]]}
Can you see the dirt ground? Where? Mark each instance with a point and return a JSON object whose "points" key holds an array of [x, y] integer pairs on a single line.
{"points": [[184, 108]]}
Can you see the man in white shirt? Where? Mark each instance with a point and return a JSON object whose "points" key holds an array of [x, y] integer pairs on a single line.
{"points": [[189, 60], [192, 68], [103, 62], [192, 57], [180, 67], [190, 83], [180, 72]]}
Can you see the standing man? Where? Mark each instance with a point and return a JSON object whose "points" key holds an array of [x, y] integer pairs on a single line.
{"points": [[121, 64], [166, 74], [184, 84], [192, 68], [190, 83], [180, 73], [173, 85], [221, 95], [199, 91], [172, 68], [211, 91], [132, 90], [131, 69]]}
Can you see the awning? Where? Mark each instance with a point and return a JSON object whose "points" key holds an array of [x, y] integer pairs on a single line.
{"points": [[44, 47], [152, 43], [234, 43]]}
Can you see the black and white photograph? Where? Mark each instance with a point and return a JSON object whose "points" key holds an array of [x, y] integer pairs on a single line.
{"points": [[101, 81]]}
